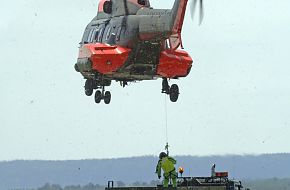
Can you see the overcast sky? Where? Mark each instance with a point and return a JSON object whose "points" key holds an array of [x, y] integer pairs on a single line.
{"points": [[236, 99]]}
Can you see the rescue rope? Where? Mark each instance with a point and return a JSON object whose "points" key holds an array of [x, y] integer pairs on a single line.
{"points": [[166, 122]]}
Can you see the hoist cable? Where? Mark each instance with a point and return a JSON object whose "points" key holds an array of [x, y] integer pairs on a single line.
{"points": [[166, 122]]}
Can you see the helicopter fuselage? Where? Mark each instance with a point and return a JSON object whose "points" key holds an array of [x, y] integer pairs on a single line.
{"points": [[132, 47], [130, 41]]}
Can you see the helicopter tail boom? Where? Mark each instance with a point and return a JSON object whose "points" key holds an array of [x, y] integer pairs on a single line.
{"points": [[177, 16], [163, 23]]}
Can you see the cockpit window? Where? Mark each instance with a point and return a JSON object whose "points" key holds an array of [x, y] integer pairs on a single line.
{"points": [[92, 36], [87, 35], [142, 2], [89, 39], [95, 35], [100, 36], [108, 32]]}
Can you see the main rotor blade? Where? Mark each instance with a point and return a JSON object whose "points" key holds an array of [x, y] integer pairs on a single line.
{"points": [[201, 12], [193, 7]]}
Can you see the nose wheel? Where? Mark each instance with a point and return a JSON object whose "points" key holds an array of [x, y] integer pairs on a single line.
{"points": [[107, 97], [172, 91], [98, 96], [103, 95]]}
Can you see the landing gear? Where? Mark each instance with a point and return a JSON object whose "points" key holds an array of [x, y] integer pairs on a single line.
{"points": [[106, 96], [89, 87], [98, 96], [165, 86], [172, 91], [101, 94]]}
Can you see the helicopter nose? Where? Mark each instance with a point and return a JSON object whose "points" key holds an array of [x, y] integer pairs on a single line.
{"points": [[105, 58]]}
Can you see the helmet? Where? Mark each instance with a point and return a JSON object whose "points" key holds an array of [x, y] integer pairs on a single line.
{"points": [[162, 155]]}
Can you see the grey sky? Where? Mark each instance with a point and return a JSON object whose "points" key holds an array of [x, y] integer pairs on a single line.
{"points": [[235, 101]]}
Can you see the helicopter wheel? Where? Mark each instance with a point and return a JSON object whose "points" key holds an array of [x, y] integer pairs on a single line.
{"points": [[107, 97], [174, 93], [89, 87], [98, 96]]}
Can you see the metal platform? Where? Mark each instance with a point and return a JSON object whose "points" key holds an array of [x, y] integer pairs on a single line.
{"points": [[191, 183]]}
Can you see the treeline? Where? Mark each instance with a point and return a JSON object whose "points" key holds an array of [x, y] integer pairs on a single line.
{"points": [[36, 173], [91, 186], [48, 186], [268, 184]]}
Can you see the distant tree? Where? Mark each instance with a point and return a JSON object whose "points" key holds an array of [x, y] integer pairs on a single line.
{"points": [[45, 187], [140, 184], [72, 187], [89, 186], [120, 184], [56, 187], [268, 184], [137, 184], [154, 183]]}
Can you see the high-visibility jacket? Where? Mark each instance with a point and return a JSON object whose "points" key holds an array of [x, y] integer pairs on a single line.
{"points": [[167, 165]]}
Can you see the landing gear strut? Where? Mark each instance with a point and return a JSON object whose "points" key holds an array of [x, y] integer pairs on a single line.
{"points": [[103, 95], [100, 95], [172, 91]]}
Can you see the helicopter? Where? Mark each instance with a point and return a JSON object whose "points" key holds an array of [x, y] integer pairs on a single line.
{"points": [[129, 41]]}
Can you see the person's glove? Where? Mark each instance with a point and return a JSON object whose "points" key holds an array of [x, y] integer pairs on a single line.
{"points": [[159, 177]]}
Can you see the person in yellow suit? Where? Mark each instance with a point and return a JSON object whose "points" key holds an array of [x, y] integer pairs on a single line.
{"points": [[167, 164]]}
